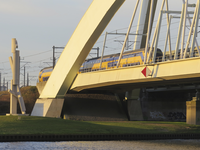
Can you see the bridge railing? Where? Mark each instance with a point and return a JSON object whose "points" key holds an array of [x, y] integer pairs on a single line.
{"points": [[123, 64], [127, 63]]}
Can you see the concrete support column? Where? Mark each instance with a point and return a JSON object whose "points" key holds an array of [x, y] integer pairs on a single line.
{"points": [[48, 107], [134, 105], [193, 112]]}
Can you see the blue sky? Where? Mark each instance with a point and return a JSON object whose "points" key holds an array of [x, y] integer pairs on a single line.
{"points": [[39, 24]]}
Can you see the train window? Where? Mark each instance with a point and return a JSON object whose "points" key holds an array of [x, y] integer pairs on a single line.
{"points": [[102, 68], [124, 65], [125, 56], [47, 70], [45, 78]]}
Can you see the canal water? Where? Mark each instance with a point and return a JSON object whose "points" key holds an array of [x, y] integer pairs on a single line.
{"points": [[105, 145]]}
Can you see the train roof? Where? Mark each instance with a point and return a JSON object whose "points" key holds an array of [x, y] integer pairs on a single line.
{"points": [[117, 54], [51, 67]]}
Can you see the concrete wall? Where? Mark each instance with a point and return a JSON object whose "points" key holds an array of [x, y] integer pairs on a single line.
{"points": [[92, 107], [134, 110], [160, 106], [167, 111]]}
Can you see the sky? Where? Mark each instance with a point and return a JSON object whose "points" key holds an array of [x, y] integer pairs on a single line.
{"points": [[39, 25]]}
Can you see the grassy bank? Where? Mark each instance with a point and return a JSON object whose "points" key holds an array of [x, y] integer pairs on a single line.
{"points": [[39, 125], [29, 94]]}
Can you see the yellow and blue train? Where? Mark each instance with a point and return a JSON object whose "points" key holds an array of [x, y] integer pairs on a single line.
{"points": [[45, 73], [130, 58]]}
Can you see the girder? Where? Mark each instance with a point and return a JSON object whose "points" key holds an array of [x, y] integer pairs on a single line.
{"points": [[163, 73]]}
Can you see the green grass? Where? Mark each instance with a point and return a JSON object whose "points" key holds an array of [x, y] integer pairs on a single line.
{"points": [[40, 125]]}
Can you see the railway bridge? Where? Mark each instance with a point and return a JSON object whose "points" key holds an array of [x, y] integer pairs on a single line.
{"points": [[160, 74], [179, 67]]}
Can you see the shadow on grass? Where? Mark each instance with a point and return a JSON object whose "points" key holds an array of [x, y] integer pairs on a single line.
{"points": [[40, 125]]}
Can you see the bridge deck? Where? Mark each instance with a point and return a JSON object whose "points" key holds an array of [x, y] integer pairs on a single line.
{"points": [[170, 72]]}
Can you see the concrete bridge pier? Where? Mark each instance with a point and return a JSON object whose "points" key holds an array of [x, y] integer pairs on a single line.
{"points": [[48, 107], [193, 110], [134, 105], [93, 107], [87, 32]]}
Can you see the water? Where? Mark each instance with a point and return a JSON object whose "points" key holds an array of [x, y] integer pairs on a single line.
{"points": [[105, 145]]}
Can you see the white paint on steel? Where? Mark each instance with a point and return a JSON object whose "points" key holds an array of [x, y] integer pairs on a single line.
{"points": [[166, 40], [149, 31], [176, 12], [163, 71], [188, 17], [128, 31], [141, 24], [168, 24], [157, 37], [104, 44], [184, 28], [155, 34], [195, 29], [179, 32], [190, 32], [78, 47]]}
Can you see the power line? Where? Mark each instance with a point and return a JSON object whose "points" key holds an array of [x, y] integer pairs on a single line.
{"points": [[37, 54]]}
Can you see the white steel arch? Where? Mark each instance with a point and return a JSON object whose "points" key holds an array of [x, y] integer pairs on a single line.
{"points": [[81, 42], [94, 21]]}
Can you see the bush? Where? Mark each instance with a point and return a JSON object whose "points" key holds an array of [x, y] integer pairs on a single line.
{"points": [[29, 94]]}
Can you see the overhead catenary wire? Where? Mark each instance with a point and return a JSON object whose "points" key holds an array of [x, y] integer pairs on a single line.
{"points": [[110, 48], [37, 54]]}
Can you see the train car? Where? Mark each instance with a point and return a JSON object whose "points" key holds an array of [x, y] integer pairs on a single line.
{"points": [[45, 74], [130, 58], [188, 55]]}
